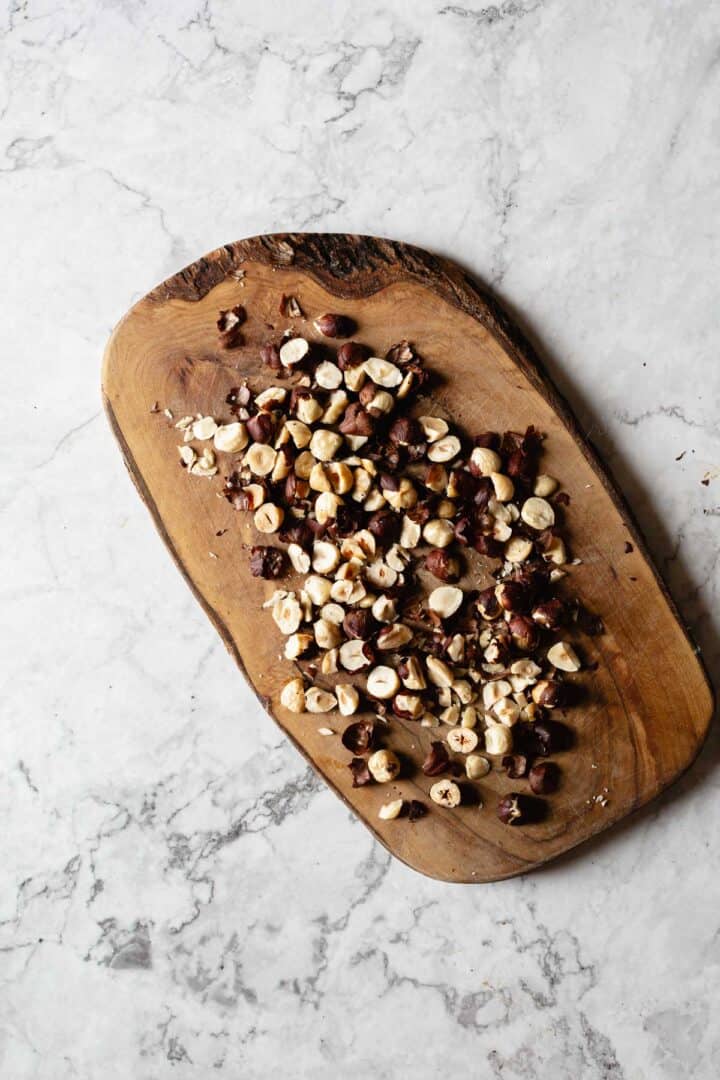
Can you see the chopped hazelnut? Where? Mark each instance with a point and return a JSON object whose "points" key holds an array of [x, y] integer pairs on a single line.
{"points": [[382, 372], [383, 683], [319, 701], [325, 444], [438, 672], [293, 352], [260, 459], [562, 656], [355, 655], [544, 485], [433, 428], [384, 766], [498, 739], [439, 533], [446, 793], [476, 766], [292, 696], [445, 449], [390, 811], [231, 438], [484, 462], [537, 513], [462, 740], [445, 600], [325, 557], [268, 518], [348, 698]]}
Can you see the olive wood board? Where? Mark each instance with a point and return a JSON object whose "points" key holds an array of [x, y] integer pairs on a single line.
{"points": [[650, 704]]}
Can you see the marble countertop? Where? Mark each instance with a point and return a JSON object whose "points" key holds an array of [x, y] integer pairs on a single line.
{"points": [[180, 896]]}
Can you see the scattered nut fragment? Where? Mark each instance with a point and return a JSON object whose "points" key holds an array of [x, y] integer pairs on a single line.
{"points": [[433, 428], [384, 766], [537, 513], [260, 459], [231, 438], [268, 518], [498, 739], [334, 326], [328, 375], [438, 672], [325, 444], [411, 674], [562, 656], [384, 609], [292, 696], [394, 636], [462, 740], [382, 682], [287, 613], [355, 655], [445, 600], [476, 766], [519, 809], [408, 705], [187, 455], [518, 549], [325, 557], [445, 449], [327, 634], [544, 485], [319, 701], [389, 811], [446, 793], [297, 644], [382, 372], [495, 691], [348, 698], [293, 352], [308, 409], [267, 562], [484, 462], [299, 559], [439, 533], [503, 486], [205, 465]]}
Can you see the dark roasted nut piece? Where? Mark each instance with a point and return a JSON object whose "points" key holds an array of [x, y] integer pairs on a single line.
{"points": [[490, 440], [405, 431], [296, 489], [385, 525], [487, 545], [359, 623], [359, 738], [488, 605], [334, 326], [521, 466], [441, 565], [461, 485], [544, 778], [524, 633], [550, 613], [261, 427], [267, 562], [548, 693], [271, 357], [356, 421], [351, 355], [290, 307], [238, 398], [542, 738], [416, 810], [519, 809], [360, 772], [514, 596], [298, 533], [228, 324], [516, 766], [402, 353], [437, 760]]}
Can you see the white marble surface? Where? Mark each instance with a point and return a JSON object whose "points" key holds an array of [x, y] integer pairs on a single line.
{"points": [[180, 897]]}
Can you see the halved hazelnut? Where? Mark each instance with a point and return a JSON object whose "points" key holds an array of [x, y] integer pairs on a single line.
{"points": [[287, 614], [462, 740], [335, 408], [299, 559], [329, 662], [404, 498], [446, 793], [518, 549], [445, 600], [304, 465], [318, 589], [498, 739], [270, 398], [325, 444], [433, 428], [394, 636], [375, 500], [355, 655], [384, 766], [328, 375], [340, 476], [438, 672], [439, 533], [503, 487], [348, 592], [292, 696], [411, 674], [299, 432], [382, 372], [296, 645], [556, 552], [325, 557], [308, 409], [334, 613], [384, 609], [537, 513], [326, 506], [469, 716], [445, 449], [362, 482], [268, 518], [260, 459], [484, 462], [319, 701], [380, 575], [476, 766], [204, 428], [507, 711], [562, 656], [493, 692], [230, 438], [463, 691], [526, 669], [354, 378], [409, 534], [436, 478], [293, 352], [383, 683], [390, 811], [348, 698]]}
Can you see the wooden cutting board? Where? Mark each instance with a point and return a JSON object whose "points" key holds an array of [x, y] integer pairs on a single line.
{"points": [[650, 703]]}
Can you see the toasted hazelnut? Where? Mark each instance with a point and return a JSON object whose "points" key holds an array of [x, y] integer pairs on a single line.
{"points": [[394, 636], [319, 479], [445, 600], [261, 427], [299, 559], [334, 326], [354, 378], [544, 485], [562, 656], [507, 711], [501, 530], [404, 498], [348, 698], [299, 432], [308, 409], [445, 449], [350, 356], [272, 397], [433, 428], [488, 604], [355, 655], [463, 691], [518, 549], [438, 672], [436, 478], [319, 701], [484, 462], [362, 482], [383, 609], [349, 571], [333, 613], [411, 674], [550, 613], [204, 428], [348, 592], [326, 506], [462, 740], [329, 662], [446, 509], [304, 464], [514, 596], [384, 766], [476, 766], [375, 500], [260, 459], [494, 691], [409, 534], [446, 793], [555, 552], [335, 408], [503, 487], [408, 705], [456, 648], [383, 683], [325, 444], [268, 518], [439, 533], [328, 375], [469, 716], [293, 352], [318, 589], [524, 632], [287, 614], [441, 565], [380, 575], [382, 372], [292, 696], [498, 739], [325, 557], [296, 645], [340, 476], [548, 693], [444, 696], [537, 513], [230, 438], [405, 431], [390, 811]]}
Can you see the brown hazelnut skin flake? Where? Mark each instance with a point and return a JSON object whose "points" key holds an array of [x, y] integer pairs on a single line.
{"points": [[437, 760], [416, 810], [261, 427], [360, 623], [359, 738], [544, 778], [441, 565], [524, 633], [271, 357], [385, 526], [360, 772], [519, 809], [267, 562], [516, 766], [228, 324]]}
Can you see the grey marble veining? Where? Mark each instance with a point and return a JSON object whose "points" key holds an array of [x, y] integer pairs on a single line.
{"points": [[180, 896]]}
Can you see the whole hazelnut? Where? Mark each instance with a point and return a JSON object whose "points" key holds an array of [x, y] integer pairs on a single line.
{"points": [[544, 778], [334, 326], [548, 693], [384, 766], [350, 355], [385, 526], [442, 565], [513, 596], [405, 431], [524, 633], [550, 613]]}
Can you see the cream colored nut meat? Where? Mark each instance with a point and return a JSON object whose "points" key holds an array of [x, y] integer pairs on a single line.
{"points": [[410, 533], [445, 600], [334, 613], [309, 410], [438, 672], [348, 592], [255, 495], [340, 476], [503, 487], [526, 669], [444, 449], [352, 655], [413, 677], [446, 793], [462, 740], [270, 398], [544, 485], [325, 444], [485, 462], [562, 656], [268, 518], [402, 499], [410, 705], [318, 589], [383, 609], [230, 438], [292, 696], [383, 683], [498, 739], [433, 427], [328, 375], [348, 698], [354, 378], [382, 372], [537, 513], [507, 711], [383, 766], [293, 352], [476, 766], [260, 459], [326, 506], [319, 701], [296, 645], [389, 811], [439, 533], [299, 559], [204, 428], [518, 549], [187, 454], [556, 552], [325, 557], [463, 691], [327, 634], [494, 691], [287, 614], [362, 482], [469, 716], [450, 716], [299, 432], [329, 662], [394, 636], [380, 575], [304, 465]]}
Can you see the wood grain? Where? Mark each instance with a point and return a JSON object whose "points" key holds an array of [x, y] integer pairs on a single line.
{"points": [[650, 705]]}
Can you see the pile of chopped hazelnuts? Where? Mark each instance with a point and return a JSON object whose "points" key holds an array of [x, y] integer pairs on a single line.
{"points": [[429, 563]]}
